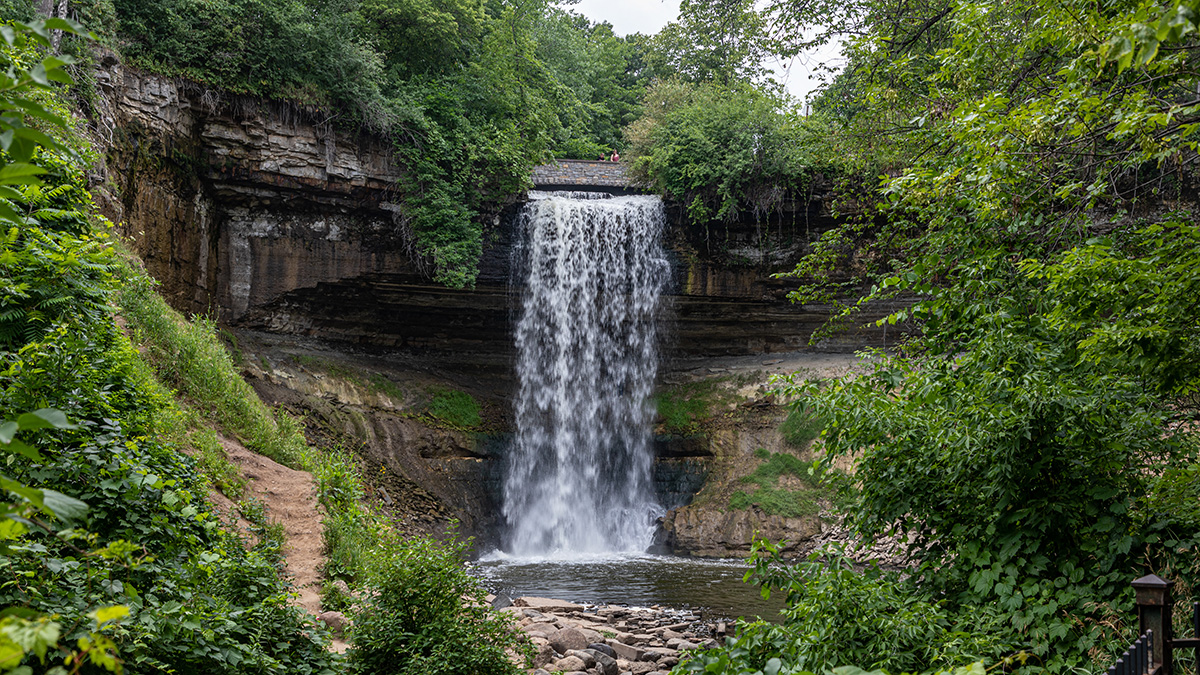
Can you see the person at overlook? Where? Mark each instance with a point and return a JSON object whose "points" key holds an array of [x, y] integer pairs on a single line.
{"points": [[615, 157]]}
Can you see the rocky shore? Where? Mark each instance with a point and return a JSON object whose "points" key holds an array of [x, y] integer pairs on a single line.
{"points": [[581, 639]]}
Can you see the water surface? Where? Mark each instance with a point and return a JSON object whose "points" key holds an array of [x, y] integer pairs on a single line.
{"points": [[712, 587]]}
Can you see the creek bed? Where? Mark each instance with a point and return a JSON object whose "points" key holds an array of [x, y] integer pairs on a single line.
{"points": [[713, 588]]}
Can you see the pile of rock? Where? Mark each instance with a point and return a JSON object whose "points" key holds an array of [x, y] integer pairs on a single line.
{"points": [[609, 639]]}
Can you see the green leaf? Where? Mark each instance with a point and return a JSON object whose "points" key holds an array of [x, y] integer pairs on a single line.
{"points": [[45, 418], [8, 430], [107, 614], [18, 448], [66, 26], [64, 507], [20, 173]]}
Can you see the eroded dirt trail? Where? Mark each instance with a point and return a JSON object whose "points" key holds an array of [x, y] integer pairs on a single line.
{"points": [[290, 497]]}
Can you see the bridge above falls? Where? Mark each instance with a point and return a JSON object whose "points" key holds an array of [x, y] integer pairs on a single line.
{"points": [[585, 176]]}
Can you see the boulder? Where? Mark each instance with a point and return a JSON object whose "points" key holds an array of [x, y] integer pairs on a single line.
{"points": [[603, 649], [545, 656], [679, 644], [541, 629], [624, 651], [605, 664], [336, 621], [565, 639], [583, 655], [636, 667], [658, 653], [569, 664]]}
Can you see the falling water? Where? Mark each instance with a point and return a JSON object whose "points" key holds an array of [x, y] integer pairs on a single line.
{"points": [[579, 479]]}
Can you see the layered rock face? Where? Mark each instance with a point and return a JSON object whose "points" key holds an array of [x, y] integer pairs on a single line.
{"points": [[266, 215], [233, 202]]}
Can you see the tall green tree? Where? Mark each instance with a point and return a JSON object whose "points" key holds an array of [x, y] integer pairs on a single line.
{"points": [[723, 41]]}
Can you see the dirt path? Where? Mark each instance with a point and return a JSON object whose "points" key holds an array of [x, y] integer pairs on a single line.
{"points": [[290, 497]]}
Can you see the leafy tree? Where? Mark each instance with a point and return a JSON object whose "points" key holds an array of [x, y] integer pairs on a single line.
{"points": [[425, 37], [1028, 435], [723, 41], [840, 613], [720, 150]]}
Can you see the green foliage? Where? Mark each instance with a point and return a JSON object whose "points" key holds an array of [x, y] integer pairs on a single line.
{"points": [[425, 614], [16, 10], [471, 94], [49, 276], [777, 502], [723, 41], [455, 408], [295, 49], [197, 600], [718, 150], [837, 615], [603, 76], [801, 426]]}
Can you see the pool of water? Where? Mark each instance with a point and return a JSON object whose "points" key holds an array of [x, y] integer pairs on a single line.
{"points": [[714, 588]]}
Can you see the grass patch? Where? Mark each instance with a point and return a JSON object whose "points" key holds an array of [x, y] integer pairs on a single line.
{"points": [[777, 502], [455, 408], [190, 357], [773, 500], [800, 427], [683, 409], [383, 385], [778, 464], [214, 464]]}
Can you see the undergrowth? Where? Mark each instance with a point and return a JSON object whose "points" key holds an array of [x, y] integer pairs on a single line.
{"points": [[801, 426], [774, 500]]}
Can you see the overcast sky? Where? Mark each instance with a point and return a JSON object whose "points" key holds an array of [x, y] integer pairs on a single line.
{"points": [[649, 16]]}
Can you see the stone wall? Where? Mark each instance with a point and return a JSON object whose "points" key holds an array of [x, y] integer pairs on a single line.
{"points": [[575, 174]]}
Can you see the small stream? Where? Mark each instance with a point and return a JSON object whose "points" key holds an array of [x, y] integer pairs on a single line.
{"points": [[714, 588]]}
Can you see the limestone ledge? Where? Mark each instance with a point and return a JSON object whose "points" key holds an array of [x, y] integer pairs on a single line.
{"points": [[245, 140]]}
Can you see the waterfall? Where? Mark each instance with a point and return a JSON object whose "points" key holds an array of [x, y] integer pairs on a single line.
{"points": [[579, 475]]}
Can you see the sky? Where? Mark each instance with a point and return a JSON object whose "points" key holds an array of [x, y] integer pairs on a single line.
{"points": [[649, 16]]}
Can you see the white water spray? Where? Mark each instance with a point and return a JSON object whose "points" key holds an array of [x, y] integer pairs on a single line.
{"points": [[579, 476]]}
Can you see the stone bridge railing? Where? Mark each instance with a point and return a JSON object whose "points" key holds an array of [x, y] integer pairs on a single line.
{"points": [[576, 174]]}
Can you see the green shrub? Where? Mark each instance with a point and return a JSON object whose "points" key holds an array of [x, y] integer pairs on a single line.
{"points": [[837, 615], [683, 410], [801, 426], [425, 614]]}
